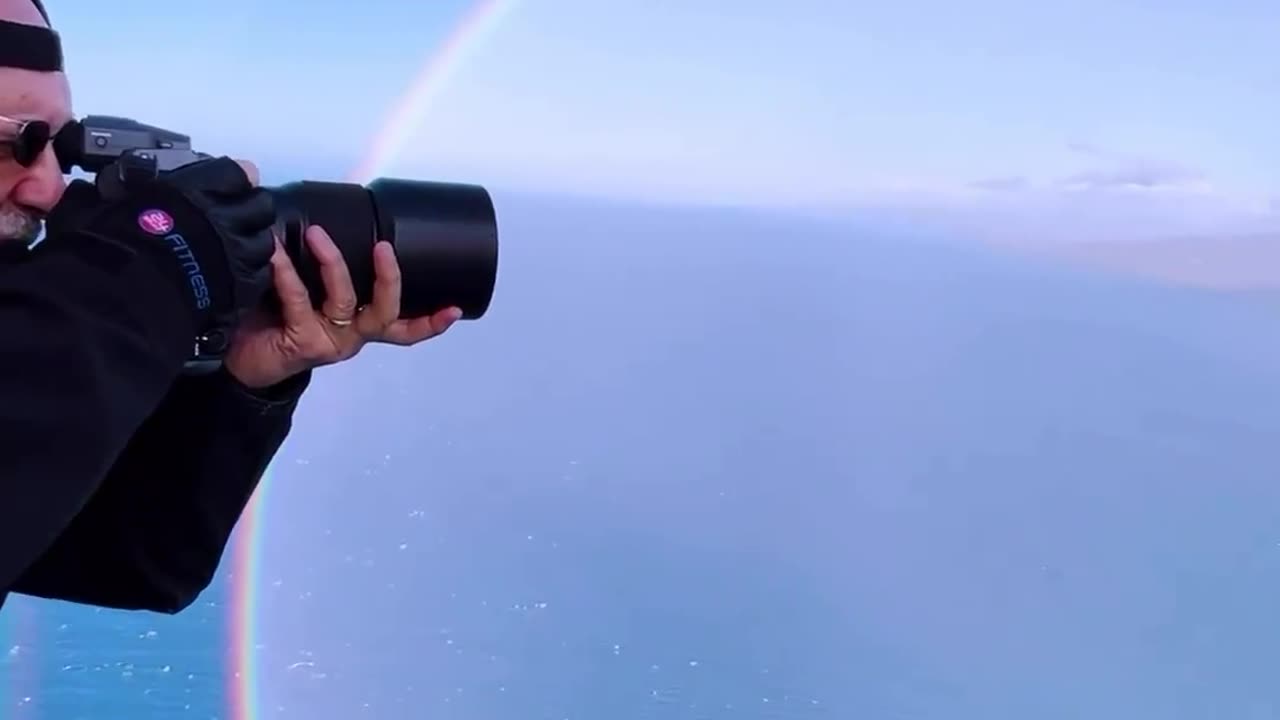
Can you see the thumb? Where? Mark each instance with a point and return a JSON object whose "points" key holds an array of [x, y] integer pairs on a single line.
{"points": [[78, 204]]}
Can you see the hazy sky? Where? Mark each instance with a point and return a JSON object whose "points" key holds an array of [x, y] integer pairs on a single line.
{"points": [[1143, 105]]}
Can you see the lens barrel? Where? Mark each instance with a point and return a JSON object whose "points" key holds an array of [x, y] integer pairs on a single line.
{"points": [[445, 237]]}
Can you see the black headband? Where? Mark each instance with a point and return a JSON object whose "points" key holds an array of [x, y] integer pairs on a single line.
{"points": [[28, 47]]}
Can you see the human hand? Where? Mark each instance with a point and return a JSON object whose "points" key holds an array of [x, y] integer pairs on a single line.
{"points": [[205, 227], [268, 349]]}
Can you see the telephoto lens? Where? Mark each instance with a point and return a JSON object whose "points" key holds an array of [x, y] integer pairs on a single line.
{"points": [[445, 236]]}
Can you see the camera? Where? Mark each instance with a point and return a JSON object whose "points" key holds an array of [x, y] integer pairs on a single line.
{"points": [[445, 234]]}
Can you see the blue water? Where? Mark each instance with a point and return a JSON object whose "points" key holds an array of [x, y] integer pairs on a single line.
{"points": [[66, 662], [712, 464]]}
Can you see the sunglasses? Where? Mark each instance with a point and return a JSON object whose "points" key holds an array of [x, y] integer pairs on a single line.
{"points": [[26, 141]]}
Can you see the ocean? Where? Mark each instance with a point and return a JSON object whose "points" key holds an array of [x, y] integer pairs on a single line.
{"points": [[715, 463]]}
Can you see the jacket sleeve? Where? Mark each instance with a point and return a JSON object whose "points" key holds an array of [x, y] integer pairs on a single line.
{"points": [[153, 536], [94, 337]]}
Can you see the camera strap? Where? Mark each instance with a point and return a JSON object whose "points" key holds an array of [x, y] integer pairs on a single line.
{"points": [[28, 47]]}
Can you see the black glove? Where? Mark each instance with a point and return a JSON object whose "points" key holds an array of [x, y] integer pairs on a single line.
{"points": [[205, 224]]}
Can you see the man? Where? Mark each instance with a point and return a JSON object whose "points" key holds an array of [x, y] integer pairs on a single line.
{"points": [[120, 478]]}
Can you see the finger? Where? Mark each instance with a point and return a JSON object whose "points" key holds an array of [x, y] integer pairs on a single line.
{"points": [[415, 330], [340, 295], [250, 171], [254, 212], [385, 309], [77, 193], [220, 176], [295, 301], [79, 201]]}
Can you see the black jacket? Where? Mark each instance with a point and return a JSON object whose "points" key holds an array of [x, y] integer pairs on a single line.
{"points": [[120, 479]]}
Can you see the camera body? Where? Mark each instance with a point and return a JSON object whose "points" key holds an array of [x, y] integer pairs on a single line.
{"points": [[95, 141]]}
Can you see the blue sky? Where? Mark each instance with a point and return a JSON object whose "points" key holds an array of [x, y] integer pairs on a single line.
{"points": [[1155, 107]]}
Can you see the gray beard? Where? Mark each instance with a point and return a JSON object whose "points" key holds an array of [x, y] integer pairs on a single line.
{"points": [[18, 226]]}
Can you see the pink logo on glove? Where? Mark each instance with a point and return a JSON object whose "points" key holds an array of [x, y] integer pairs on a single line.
{"points": [[155, 222]]}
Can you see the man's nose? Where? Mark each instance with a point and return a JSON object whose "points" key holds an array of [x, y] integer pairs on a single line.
{"points": [[42, 184]]}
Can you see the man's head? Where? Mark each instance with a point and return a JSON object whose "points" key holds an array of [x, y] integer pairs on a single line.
{"points": [[28, 193]]}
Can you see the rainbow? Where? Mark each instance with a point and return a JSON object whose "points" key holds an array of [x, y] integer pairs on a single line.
{"points": [[242, 671], [405, 116], [411, 107]]}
